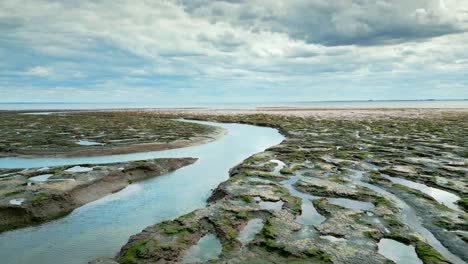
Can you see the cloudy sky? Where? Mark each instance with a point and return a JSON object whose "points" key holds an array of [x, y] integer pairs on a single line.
{"points": [[232, 50]]}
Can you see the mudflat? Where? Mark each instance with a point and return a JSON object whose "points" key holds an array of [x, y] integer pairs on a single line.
{"points": [[72, 134], [341, 182]]}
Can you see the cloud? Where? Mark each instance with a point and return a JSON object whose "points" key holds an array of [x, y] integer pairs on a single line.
{"points": [[39, 71], [354, 22], [263, 49]]}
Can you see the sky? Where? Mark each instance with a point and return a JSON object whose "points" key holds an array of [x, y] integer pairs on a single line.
{"points": [[232, 50]]}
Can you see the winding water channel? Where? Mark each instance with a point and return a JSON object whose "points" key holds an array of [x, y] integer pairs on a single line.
{"points": [[100, 228]]}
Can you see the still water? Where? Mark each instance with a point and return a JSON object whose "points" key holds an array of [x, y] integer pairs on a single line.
{"points": [[100, 228], [243, 105]]}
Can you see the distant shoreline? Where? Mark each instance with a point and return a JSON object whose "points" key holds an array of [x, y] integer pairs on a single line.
{"points": [[358, 104]]}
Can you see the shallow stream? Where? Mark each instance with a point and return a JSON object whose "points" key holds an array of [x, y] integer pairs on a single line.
{"points": [[100, 228]]}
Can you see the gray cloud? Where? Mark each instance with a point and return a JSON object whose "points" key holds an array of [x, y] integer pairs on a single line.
{"points": [[236, 47], [342, 22]]}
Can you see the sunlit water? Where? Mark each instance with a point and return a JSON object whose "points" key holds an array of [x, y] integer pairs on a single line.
{"points": [[409, 217], [208, 248], [84, 142], [351, 204], [398, 252], [309, 215], [244, 105], [250, 230], [100, 228], [443, 197]]}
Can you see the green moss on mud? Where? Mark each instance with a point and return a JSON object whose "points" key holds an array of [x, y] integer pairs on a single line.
{"points": [[245, 198], [133, 253], [429, 255], [39, 197]]}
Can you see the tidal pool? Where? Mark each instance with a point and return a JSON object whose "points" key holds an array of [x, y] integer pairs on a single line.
{"points": [[40, 178], [88, 143], [398, 252], [351, 204], [409, 216], [250, 230], [100, 228], [208, 248], [17, 201], [309, 215], [78, 169], [443, 197], [273, 206]]}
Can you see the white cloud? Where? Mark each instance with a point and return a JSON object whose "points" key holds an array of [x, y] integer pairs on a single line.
{"points": [[39, 71], [310, 46]]}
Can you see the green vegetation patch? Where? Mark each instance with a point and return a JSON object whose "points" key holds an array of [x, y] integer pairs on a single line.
{"points": [[39, 197], [429, 255], [134, 252]]}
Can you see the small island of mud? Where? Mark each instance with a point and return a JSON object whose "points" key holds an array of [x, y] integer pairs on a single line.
{"points": [[72, 134]]}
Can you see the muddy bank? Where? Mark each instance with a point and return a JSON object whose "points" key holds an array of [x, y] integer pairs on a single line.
{"points": [[76, 134], [34, 196]]}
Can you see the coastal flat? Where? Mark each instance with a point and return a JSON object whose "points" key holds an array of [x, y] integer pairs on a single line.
{"points": [[71, 134], [342, 182]]}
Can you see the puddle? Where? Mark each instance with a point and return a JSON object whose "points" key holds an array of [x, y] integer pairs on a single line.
{"points": [[309, 215], [250, 230], [398, 252], [351, 204], [120, 140], [279, 167], [40, 178], [207, 248], [275, 206], [443, 197], [39, 113], [17, 201], [409, 216], [334, 239], [78, 169], [88, 143], [306, 231]]}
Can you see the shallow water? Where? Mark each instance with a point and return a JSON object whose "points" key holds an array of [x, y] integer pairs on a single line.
{"points": [[208, 248], [250, 230], [17, 201], [273, 206], [40, 178], [88, 143], [309, 215], [443, 197], [100, 228], [306, 231], [409, 217], [398, 252], [244, 105], [351, 204], [78, 169]]}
